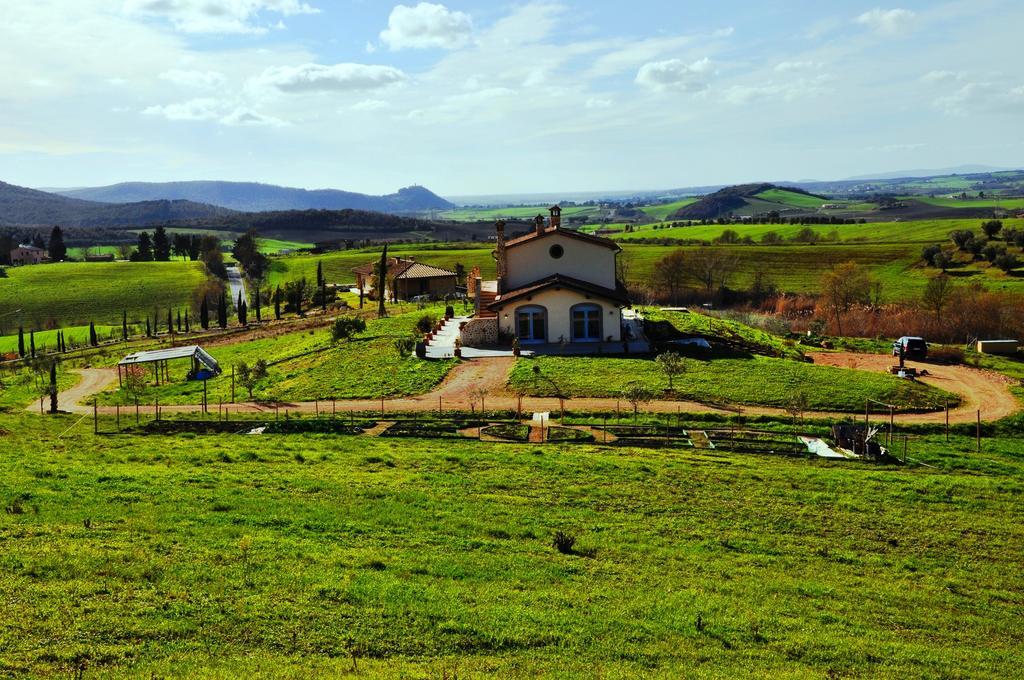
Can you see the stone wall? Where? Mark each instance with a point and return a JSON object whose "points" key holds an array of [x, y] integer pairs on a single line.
{"points": [[480, 332]]}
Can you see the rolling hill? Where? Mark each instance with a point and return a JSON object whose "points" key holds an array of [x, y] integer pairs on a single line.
{"points": [[255, 197], [20, 206], [760, 198]]}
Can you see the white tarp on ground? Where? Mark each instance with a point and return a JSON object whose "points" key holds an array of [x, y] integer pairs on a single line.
{"points": [[819, 448]]}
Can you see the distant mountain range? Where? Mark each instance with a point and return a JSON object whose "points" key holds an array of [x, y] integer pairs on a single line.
{"points": [[255, 197], [940, 172], [20, 206]]}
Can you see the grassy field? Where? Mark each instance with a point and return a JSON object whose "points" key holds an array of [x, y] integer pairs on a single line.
{"points": [[73, 294], [338, 266], [726, 381], [945, 202], [307, 366], [663, 210], [74, 335], [305, 555], [917, 232], [732, 333], [793, 199], [517, 212]]}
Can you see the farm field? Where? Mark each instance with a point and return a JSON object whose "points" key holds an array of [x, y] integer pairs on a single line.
{"points": [[299, 555], [306, 365], [514, 212], [73, 294], [1005, 203], [918, 231], [792, 198], [750, 381], [73, 335], [337, 266], [663, 210]]}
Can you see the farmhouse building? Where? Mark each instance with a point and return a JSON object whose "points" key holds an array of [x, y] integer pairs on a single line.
{"points": [[407, 279], [553, 285], [24, 254]]}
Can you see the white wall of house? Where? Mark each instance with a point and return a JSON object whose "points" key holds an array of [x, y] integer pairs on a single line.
{"points": [[558, 305], [532, 261]]}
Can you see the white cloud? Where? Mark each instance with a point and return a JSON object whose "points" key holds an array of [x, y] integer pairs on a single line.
{"points": [[202, 108], [426, 25], [942, 76], [723, 32], [370, 105], [789, 91], [246, 116], [787, 66], [983, 98], [319, 78], [215, 16], [599, 103], [887, 21], [675, 74], [194, 79], [209, 109]]}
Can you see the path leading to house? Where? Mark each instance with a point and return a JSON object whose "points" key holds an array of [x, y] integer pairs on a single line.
{"points": [[94, 380], [237, 284], [984, 390]]}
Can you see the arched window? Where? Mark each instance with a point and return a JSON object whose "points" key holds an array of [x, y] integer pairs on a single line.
{"points": [[532, 324], [586, 322]]}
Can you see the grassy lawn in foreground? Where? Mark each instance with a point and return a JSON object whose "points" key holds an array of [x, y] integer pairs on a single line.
{"points": [[303, 555], [753, 381], [307, 366], [733, 333]]}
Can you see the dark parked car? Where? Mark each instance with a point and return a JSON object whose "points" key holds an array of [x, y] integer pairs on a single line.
{"points": [[913, 347]]}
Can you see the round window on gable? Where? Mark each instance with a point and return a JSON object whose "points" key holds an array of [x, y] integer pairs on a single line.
{"points": [[556, 251]]}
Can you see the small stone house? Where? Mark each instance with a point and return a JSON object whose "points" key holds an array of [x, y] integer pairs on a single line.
{"points": [[24, 254], [407, 279]]}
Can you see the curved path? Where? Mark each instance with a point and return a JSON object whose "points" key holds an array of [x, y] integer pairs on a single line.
{"points": [[461, 390]]}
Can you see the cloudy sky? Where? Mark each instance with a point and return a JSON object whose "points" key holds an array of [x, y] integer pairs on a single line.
{"points": [[472, 97]]}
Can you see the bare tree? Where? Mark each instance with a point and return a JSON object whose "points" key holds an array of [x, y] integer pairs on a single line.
{"points": [[711, 267], [842, 288], [670, 273], [937, 295]]}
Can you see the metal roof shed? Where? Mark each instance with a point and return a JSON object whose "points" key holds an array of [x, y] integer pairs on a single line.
{"points": [[159, 357]]}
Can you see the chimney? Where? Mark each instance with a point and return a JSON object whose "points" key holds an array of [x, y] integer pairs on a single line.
{"points": [[499, 253], [556, 216], [538, 224]]}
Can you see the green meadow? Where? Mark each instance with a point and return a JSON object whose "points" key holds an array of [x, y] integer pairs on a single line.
{"points": [[308, 555], [307, 365], [73, 294]]}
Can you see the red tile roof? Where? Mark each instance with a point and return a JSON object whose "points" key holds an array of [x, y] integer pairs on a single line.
{"points": [[571, 233]]}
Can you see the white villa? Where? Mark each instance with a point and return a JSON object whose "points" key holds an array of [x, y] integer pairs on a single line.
{"points": [[553, 286]]}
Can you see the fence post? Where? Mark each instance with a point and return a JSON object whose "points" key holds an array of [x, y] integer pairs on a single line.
{"points": [[979, 430], [158, 409], [947, 420], [232, 383], [95, 416], [117, 416]]}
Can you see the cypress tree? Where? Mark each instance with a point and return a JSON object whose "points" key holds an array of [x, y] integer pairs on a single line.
{"points": [[53, 387], [124, 325], [21, 342], [320, 273], [238, 302], [93, 340], [222, 311], [63, 343], [204, 314], [257, 301], [243, 314], [382, 279], [32, 343], [187, 329], [277, 303], [179, 320], [323, 296], [149, 331]]}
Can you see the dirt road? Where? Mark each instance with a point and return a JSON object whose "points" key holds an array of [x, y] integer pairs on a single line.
{"points": [[461, 390]]}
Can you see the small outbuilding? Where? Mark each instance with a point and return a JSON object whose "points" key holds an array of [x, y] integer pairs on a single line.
{"points": [[407, 279], [203, 366], [998, 346]]}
